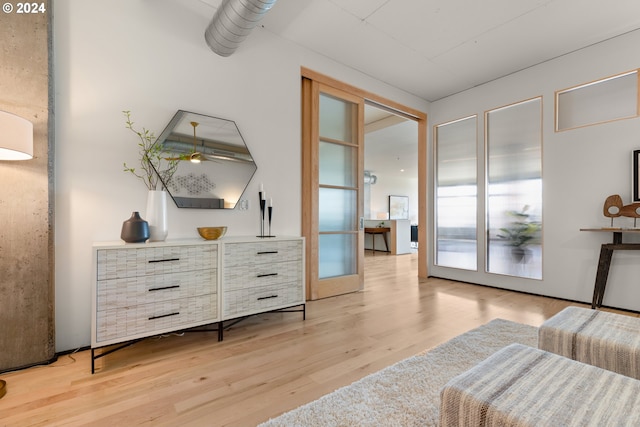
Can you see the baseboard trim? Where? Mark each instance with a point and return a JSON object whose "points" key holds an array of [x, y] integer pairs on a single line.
{"points": [[46, 362], [31, 365]]}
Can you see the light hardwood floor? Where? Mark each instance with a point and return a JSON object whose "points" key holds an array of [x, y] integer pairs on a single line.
{"points": [[266, 364]]}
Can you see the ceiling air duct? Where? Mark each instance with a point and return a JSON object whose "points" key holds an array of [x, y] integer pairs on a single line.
{"points": [[232, 23]]}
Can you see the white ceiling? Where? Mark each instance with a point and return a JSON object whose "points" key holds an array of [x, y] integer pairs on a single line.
{"points": [[390, 146], [435, 48]]}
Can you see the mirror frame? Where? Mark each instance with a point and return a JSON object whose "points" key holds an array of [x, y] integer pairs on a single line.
{"points": [[226, 150]]}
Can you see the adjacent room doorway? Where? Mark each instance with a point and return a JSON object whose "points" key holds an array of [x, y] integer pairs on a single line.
{"points": [[390, 180]]}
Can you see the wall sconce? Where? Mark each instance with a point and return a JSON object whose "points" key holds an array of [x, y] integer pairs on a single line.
{"points": [[16, 137], [16, 143]]}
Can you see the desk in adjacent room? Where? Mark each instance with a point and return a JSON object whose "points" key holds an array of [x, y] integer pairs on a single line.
{"points": [[396, 235], [606, 253], [378, 230]]}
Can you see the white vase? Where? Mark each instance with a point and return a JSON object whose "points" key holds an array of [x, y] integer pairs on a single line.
{"points": [[157, 215]]}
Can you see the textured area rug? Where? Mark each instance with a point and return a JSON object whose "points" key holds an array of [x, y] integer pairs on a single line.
{"points": [[408, 392]]}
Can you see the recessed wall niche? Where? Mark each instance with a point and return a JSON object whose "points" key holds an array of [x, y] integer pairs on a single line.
{"points": [[604, 100]]}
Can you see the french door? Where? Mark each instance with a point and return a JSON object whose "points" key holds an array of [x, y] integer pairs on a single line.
{"points": [[333, 150]]}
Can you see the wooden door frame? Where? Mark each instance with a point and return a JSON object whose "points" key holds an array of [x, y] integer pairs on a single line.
{"points": [[318, 288], [309, 160]]}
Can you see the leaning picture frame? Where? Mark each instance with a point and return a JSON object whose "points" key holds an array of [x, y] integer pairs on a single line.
{"points": [[635, 177], [398, 207]]}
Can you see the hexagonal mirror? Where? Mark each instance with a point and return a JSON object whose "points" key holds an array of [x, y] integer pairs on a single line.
{"points": [[213, 165]]}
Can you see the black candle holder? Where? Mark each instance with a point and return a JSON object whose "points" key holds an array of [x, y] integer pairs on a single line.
{"points": [[264, 209]]}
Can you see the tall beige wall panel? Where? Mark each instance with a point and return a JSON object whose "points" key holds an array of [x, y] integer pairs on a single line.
{"points": [[26, 193]]}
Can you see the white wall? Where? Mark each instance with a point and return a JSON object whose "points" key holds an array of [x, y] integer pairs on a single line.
{"points": [[150, 57], [394, 186], [581, 168]]}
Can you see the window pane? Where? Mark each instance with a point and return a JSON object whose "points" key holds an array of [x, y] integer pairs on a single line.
{"points": [[457, 245], [456, 194], [337, 210], [609, 99], [337, 255], [514, 189], [336, 118], [337, 165]]}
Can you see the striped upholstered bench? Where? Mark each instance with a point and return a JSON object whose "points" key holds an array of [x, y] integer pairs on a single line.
{"points": [[610, 341], [525, 386]]}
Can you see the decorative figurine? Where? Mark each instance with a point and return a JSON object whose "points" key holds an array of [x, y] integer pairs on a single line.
{"points": [[614, 208]]}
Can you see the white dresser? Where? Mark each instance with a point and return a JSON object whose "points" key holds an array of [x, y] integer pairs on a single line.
{"points": [[146, 289], [261, 275]]}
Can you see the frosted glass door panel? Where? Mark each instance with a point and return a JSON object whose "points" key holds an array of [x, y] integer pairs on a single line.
{"points": [[336, 119], [337, 210], [337, 255], [514, 189], [456, 200], [337, 165]]}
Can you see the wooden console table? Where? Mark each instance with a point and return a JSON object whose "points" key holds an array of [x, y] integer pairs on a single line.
{"points": [[378, 230], [606, 253]]}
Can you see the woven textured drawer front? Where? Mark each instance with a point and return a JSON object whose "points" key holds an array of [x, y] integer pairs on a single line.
{"points": [[262, 274], [115, 293], [135, 262], [253, 300], [148, 319], [262, 252]]}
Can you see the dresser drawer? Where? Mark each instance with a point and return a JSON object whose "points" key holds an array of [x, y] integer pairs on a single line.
{"points": [[241, 302], [136, 262], [263, 252], [262, 274], [125, 292], [147, 319]]}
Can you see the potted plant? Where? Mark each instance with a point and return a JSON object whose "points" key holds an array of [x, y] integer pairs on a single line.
{"points": [[520, 233], [152, 159]]}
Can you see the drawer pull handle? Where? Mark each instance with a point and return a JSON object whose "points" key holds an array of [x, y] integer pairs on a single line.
{"points": [[164, 315], [266, 275], [267, 252], [164, 288], [164, 260], [269, 297]]}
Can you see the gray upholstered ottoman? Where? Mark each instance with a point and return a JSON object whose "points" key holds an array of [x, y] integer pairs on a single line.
{"points": [[525, 386], [610, 341]]}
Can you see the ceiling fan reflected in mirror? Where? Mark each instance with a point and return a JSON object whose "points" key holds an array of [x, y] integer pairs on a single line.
{"points": [[210, 154], [196, 156], [205, 148]]}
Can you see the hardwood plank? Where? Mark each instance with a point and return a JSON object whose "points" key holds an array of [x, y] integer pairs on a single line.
{"points": [[267, 364]]}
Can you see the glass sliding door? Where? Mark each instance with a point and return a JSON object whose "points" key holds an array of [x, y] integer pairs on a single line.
{"points": [[456, 194], [514, 189], [332, 126]]}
